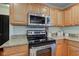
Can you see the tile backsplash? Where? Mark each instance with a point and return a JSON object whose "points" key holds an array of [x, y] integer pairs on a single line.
{"points": [[73, 29], [53, 30], [21, 30], [67, 30], [17, 30]]}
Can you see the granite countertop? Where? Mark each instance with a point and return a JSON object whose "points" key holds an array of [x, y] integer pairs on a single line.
{"points": [[73, 38], [22, 39], [15, 40], [65, 37]]}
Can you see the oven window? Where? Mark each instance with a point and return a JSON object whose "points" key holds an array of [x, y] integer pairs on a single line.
{"points": [[44, 52], [37, 19]]}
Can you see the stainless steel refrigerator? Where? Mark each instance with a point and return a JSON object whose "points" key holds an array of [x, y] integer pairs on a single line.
{"points": [[4, 29]]}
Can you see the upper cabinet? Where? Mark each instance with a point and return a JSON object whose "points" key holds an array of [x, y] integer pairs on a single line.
{"points": [[56, 17], [45, 9], [40, 8], [71, 15], [18, 12]]}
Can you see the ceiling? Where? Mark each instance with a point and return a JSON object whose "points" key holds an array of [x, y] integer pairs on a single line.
{"points": [[60, 5]]}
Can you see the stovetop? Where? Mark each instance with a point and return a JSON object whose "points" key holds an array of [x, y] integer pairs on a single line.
{"points": [[37, 44]]}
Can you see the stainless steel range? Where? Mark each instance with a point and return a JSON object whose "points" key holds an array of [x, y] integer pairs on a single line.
{"points": [[36, 36], [38, 42]]}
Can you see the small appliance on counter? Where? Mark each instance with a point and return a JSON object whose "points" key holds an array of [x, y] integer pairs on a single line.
{"points": [[4, 29]]}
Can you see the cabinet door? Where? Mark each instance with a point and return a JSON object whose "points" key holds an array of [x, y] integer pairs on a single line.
{"points": [[71, 15], [19, 14], [59, 18], [56, 17], [78, 15], [16, 50], [73, 51], [67, 16], [34, 7], [59, 47], [44, 9], [53, 17], [1, 51], [65, 47]]}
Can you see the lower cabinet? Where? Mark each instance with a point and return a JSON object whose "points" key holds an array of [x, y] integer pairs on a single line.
{"points": [[61, 47], [73, 51], [21, 50], [59, 51], [73, 48], [65, 47], [1, 51]]}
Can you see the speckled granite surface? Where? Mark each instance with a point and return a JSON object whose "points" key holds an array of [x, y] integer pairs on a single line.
{"points": [[22, 39], [15, 40]]}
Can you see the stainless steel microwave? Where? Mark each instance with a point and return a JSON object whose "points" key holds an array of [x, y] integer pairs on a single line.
{"points": [[38, 19]]}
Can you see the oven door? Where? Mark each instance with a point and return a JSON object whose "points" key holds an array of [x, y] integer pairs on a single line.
{"points": [[41, 51], [44, 52]]}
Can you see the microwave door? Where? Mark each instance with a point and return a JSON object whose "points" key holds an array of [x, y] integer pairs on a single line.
{"points": [[36, 20]]}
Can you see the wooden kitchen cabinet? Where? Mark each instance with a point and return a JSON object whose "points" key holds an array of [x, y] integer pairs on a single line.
{"points": [[40, 8], [18, 14], [1, 51], [44, 9], [56, 17], [73, 48], [21, 50], [61, 47], [71, 15], [67, 47], [73, 51], [66, 19], [34, 7]]}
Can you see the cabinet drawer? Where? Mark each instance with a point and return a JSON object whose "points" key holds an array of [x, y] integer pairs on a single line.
{"points": [[60, 41], [9, 50], [73, 51], [15, 50], [22, 48], [73, 43]]}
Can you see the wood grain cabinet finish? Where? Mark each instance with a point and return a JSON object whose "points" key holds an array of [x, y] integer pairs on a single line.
{"points": [[56, 17], [71, 15], [16, 50], [18, 14], [61, 47], [73, 48], [73, 51], [45, 9]]}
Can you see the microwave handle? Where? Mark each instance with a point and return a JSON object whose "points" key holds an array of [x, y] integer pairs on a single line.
{"points": [[47, 19]]}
